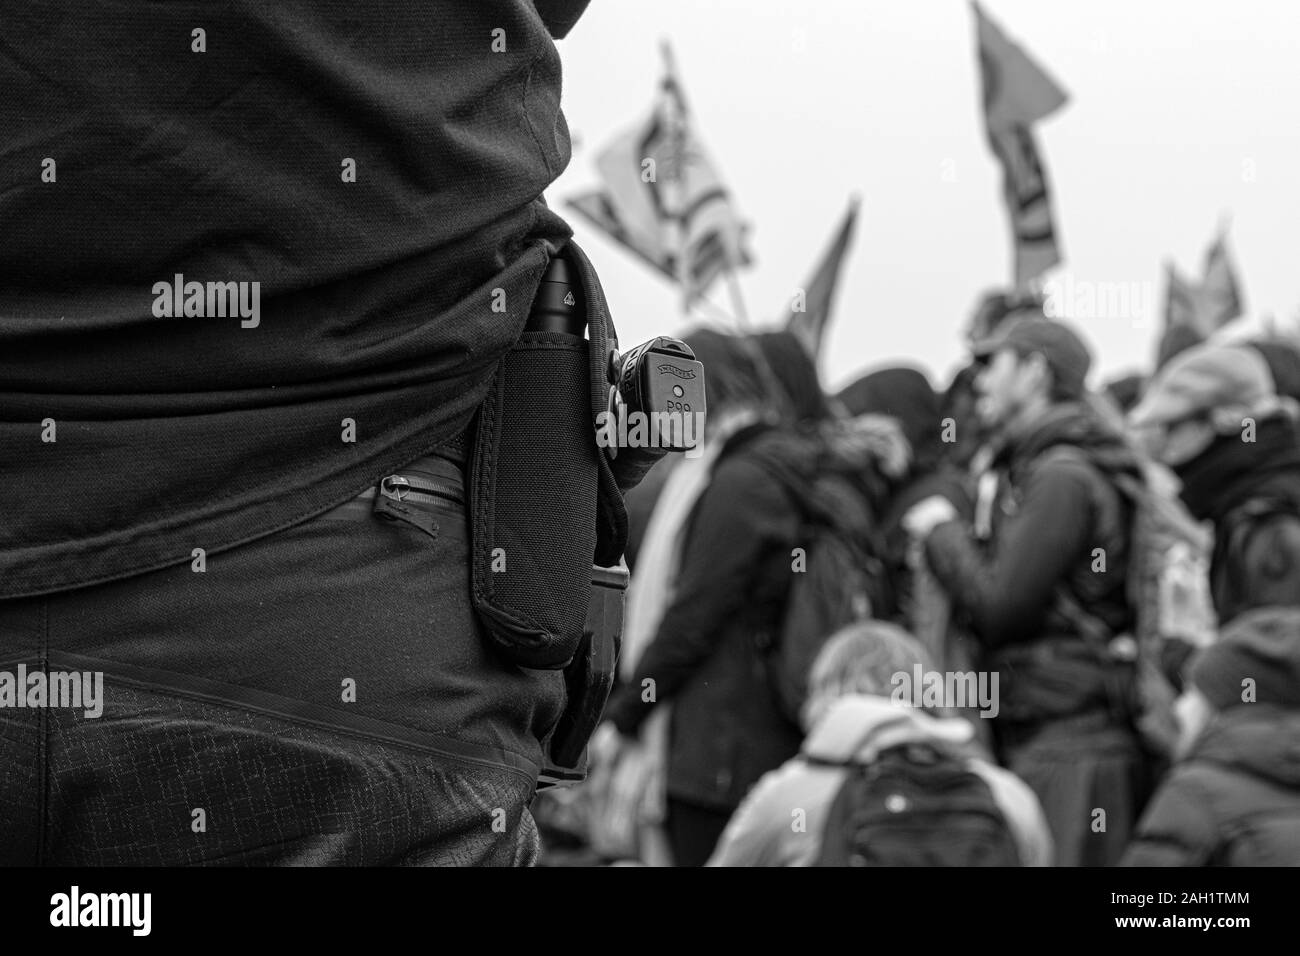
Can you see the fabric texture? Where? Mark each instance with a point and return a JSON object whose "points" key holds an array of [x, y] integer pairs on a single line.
{"points": [[323, 695], [372, 180]]}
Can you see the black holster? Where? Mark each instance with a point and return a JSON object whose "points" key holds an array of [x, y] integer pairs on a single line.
{"points": [[547, 517]]}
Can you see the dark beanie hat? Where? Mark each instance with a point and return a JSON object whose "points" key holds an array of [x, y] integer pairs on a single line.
{"points": [[1263, 646], [729, 374], [796, 373], [906, 395], [1284, 362]]}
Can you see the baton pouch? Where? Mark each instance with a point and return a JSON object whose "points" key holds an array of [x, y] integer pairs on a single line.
{"points": [[545, 504]]}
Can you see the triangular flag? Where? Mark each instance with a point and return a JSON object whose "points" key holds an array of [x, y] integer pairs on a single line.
{"points": [[1222, 294], [1182, 303], [1195, 311], [1017, 93], [810, 311]]}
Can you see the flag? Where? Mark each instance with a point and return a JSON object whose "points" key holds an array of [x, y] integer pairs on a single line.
{"points": [[598, 209], [811, 311], [1182, 302], [1018, 93], [1195, 311], [1221, 294], [662, 197]]}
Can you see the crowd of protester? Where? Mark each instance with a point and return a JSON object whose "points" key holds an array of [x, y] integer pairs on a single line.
{"points": [[999, 518]]}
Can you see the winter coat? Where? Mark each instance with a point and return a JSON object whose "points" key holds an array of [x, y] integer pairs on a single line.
{"points": [[708, 656], [1235, 799], [1056, 508]]}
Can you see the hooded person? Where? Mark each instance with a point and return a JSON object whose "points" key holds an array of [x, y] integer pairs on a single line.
{"points": [[1234, 797], [803, 402], [627, 783], [1031, 593], [851, 719], [1213, 415], [712, 576], [731, 383]]}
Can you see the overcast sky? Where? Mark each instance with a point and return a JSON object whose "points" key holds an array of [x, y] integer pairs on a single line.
{"points": [[1180, 111]]}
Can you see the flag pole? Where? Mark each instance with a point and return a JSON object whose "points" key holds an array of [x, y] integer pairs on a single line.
{"points": [[708, 309], [1225, 223], [738, 308], [676, 117], [740, 314]]}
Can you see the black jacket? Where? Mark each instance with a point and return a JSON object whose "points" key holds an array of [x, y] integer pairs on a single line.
{"points": [[707, 658], [1053, 512]]}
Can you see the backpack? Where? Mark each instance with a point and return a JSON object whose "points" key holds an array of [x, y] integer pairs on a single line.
{"points": [[837, 578], [1234, 537], [916, 805], [1168, 589]]}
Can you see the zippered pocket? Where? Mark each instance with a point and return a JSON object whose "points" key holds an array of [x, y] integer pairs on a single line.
{"points": [[427, 495], [418, 498]]}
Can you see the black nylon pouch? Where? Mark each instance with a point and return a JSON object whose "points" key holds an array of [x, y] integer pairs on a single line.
{"points": [[544, 502], [534, 478]]}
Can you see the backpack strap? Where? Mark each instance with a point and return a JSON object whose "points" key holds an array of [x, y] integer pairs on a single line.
{"points": [[1130, 490], [1095, 632], [741, 438]]}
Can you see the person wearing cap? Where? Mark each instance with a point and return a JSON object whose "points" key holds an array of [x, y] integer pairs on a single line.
{"points": [[1058, 543], [1234, 797], [999, 307], [1213, 415]]}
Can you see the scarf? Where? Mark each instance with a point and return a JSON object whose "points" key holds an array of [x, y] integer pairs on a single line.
{"points": [[1231, 471]]}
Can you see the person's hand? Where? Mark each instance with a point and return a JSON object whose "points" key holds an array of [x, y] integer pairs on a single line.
{"points": [[924, 516]]}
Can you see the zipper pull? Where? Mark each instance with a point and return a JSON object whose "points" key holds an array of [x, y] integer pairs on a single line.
{"points": [[391, 506]]}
